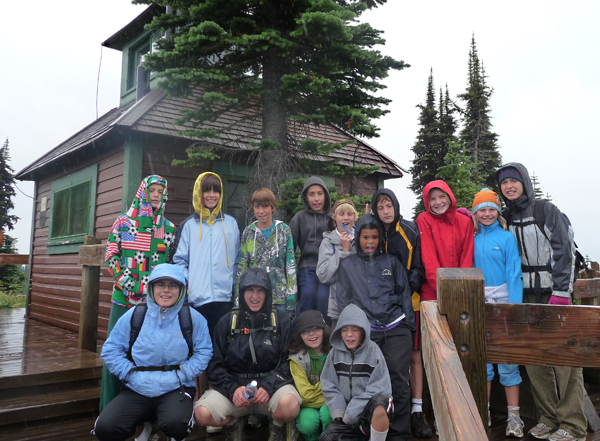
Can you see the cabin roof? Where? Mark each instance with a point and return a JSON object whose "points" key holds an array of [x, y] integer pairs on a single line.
{"points": [[118, 40], [155, 114]]}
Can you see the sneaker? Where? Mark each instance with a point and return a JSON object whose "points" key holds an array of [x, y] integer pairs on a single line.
{"points": [[514, 426], [276, 433], [419, 426], [145, 435], [233, 430], [540, 431], [489, 418], [214, 429], [563, 435]]}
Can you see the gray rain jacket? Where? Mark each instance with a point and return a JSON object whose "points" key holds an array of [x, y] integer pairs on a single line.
{"points": [[548, 264], [350, 379]]}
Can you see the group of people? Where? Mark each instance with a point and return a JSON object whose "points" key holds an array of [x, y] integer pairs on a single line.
{"points": [[200, 304]]}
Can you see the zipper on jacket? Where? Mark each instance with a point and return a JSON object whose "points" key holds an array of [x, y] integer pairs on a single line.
{"points": [[351, 366]]}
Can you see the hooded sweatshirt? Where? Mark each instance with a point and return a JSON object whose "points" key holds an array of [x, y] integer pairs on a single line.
{"points": [[447, 240], [159, 343], [402, 240], [138, 241], [260, 354], [308, 226], [206, 249], [376, 283], [536, 251], [350, 378], [275, 254]]}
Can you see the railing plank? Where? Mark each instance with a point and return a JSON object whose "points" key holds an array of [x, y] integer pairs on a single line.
{"points": [[455, 410], [14, 259], [532, 334]]}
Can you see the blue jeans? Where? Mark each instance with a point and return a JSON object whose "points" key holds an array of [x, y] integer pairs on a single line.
{"points": [[313, 293]]}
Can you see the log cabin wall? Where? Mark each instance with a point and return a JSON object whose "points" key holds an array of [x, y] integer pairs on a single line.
{"points": [[55, 291]]}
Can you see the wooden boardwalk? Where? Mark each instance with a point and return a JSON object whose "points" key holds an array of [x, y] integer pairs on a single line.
{"points": [[49, 388]]}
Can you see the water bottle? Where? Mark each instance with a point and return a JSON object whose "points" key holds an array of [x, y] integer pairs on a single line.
{"points": [[250, 390]]}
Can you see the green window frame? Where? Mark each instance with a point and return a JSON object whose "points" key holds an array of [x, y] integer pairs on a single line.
{"points": [[235, 178], [72, 210], [134, 56]]}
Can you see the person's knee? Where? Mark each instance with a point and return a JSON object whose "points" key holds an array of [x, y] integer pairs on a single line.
{"points": [[107, 430], [176, 424], [380, 420], [308, 421], [287, 408], [203, 416]]}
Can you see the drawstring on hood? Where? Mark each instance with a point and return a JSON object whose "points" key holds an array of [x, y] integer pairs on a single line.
{"points": [[205, 214]]}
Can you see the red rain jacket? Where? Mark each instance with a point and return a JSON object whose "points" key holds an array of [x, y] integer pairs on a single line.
{"points": [[447, 240]]}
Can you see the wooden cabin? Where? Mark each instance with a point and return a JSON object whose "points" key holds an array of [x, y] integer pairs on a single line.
{"points": [[84, 183]]}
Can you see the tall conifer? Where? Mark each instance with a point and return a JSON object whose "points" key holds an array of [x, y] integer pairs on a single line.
{"points": [[429, 148], [479, 142]]}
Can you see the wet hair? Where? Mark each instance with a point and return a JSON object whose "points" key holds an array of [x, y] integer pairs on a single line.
{"points": [[211, 182], [477, 228], [383, 197], [369, 226], [264, 196], [298, 345]]}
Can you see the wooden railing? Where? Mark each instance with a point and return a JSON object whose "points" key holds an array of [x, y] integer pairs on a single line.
{"points": [[91, 257], [461, 333]]}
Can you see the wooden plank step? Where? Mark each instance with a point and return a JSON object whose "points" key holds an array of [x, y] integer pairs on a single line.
{"points": [[26, 409], [53, 376]]}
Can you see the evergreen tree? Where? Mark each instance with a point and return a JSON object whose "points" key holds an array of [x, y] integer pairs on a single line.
{"points": [[293, 62], [457, 174], [480, 143], [11, 276], [537, 190], [429, 148], [448, 123]]}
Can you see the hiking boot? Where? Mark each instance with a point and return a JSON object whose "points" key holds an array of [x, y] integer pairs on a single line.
{"points": [[233, 430], [563, 435], [514, 426], [419, 426], [145, 435], [276, 433], [254, 421], [540, 431]]}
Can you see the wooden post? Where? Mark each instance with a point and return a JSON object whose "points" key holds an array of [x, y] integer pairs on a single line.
{"points": [[91, 256], [457, 415], [461, 297]]}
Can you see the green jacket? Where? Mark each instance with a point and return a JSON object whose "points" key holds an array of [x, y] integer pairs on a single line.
{"points": [[276, 255]]}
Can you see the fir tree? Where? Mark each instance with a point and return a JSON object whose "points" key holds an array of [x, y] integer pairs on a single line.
{"points": [[293, 62], [457, 174], [11, 276], [537, 190], [448, 123], [429, 148], [480, 143]]}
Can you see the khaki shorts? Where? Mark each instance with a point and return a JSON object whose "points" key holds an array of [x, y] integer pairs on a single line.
{"points": [[220, 407]]}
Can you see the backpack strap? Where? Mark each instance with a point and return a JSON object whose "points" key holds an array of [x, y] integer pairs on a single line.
{"points": [[137, 320], [187, 327]]}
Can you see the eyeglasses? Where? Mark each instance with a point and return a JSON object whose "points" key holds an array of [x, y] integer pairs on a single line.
{"points": [[311, 330], [171, 286]]}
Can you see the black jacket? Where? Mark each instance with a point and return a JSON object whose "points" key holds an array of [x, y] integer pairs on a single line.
{"points": [[233, 364], [375, 283], [408, 253]]}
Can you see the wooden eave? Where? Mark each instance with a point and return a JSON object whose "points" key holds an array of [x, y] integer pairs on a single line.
{"points": [[118, 40]]}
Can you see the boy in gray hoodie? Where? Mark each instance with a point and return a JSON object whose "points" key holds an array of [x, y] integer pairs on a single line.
{"points": [[355, 381], [307, 227]]}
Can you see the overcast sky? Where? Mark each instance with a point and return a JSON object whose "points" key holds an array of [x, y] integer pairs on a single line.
{"points": [[542, 59]]}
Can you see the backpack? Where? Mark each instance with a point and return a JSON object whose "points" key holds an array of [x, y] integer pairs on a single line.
{"points": [[234, 324], [185, 323], [539, 219]]}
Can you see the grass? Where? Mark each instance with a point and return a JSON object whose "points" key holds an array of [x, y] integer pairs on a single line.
{"points": [[12, 301]]}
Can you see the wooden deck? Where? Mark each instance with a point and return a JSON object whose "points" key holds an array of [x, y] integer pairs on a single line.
{"points": [[49, 389]]}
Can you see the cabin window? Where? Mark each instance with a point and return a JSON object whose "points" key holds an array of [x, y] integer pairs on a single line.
{"points": [[235, 179], [135, 55], [72, 210]]}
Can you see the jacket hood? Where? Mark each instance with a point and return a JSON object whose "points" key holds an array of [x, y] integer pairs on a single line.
{"points": [[141, 207], [395, 203], [444, 187], [362, 222], [256, 277], [171, 272], [528, 197], [197, 199], [313, 180], [352, 315]]}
